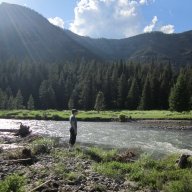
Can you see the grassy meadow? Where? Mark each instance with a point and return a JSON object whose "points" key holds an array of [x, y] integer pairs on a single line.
{"points": [[93, 115]]}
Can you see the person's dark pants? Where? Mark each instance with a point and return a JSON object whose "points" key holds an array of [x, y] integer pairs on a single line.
{"points": [[72, 139]]}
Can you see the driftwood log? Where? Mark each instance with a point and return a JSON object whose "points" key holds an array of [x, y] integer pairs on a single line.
{"points": [[127, 156], [9, 130], [182, 162], [23, 131], [26, 158], [15, 161]]}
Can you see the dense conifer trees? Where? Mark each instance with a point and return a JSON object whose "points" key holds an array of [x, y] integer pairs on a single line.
{"points": [[79, 84], [179, 99]]}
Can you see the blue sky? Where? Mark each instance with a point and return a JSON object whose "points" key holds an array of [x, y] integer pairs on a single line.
{"points": [[114, 18]]}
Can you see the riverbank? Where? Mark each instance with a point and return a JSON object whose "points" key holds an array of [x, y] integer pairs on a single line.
{"points": [[103, 116], [52, 167]]}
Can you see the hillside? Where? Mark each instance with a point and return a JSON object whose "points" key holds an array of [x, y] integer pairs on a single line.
{"points": [[144, 47], [25, 33]]}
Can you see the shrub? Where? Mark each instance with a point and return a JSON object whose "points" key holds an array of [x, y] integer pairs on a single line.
{"points": [[14, 183], [56, 117], [44, 145], [122, 118], [183, 185]]}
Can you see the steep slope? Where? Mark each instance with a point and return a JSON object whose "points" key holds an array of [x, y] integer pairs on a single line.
{"points": [[25, 33]]}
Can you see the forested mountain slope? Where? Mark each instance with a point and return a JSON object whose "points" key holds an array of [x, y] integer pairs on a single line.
{"points": [[25, 33], [156, 45]]}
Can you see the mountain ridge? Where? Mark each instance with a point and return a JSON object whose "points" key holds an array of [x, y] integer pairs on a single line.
{"points": [[26, 33]]}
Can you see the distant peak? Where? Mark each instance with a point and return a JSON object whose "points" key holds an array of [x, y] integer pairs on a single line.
{"points": [[4, 3]]}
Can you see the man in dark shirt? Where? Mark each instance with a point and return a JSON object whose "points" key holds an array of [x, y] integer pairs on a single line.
{"points": [[73, 127]]}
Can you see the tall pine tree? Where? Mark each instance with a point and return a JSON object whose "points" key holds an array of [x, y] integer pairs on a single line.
{"points": [[179, 98], [133, 97], [47, 95], [30, 103], [100, 102], [122, 91], [19, 100], [145, 103]]}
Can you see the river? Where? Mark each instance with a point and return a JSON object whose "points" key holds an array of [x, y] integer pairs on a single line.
{"points": [[150, 137]]}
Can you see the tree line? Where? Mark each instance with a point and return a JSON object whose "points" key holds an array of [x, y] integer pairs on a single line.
{"points": [[89, 84]]}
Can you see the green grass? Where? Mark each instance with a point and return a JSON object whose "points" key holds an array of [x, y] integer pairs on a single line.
{"points": [[161, 175], [156, 174], [42, 145], [93, 115], [98, 154], [13, 183]]}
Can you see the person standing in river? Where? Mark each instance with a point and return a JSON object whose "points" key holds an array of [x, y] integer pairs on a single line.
{"points": [[73, 127]]}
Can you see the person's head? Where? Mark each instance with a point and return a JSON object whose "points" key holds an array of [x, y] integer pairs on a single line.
{"points": [[74, 111]]}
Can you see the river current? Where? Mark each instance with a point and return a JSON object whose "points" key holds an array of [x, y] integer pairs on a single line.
{"points": [[150, 138]]}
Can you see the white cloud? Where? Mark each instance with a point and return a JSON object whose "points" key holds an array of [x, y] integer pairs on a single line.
{"points": [[165, 29], [168, 29], [108, 18], [143, 1], [57, 21], [147, 2], [149, 28]]}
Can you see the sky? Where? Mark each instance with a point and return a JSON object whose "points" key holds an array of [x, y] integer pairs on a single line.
{"points": [[114, 18]]}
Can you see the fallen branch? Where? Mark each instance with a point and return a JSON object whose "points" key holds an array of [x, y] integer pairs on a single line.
{"points": [[16, 161], [36, 188], [9, 130]]}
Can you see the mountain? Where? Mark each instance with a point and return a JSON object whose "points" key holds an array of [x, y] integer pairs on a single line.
{"points": [[25, 33], [144, 47]]}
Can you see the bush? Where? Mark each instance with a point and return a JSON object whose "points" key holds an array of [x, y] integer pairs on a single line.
{"points": [[122, 118], [56, 117], [44, 145], [183, 185], [13, 183]]}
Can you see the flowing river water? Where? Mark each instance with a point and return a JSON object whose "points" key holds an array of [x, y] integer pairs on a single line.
{"points": [[156, 137]]}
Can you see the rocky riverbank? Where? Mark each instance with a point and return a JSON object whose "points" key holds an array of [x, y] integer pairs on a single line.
{"points": [[166, 124], [55, 168], [38, 164]]}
